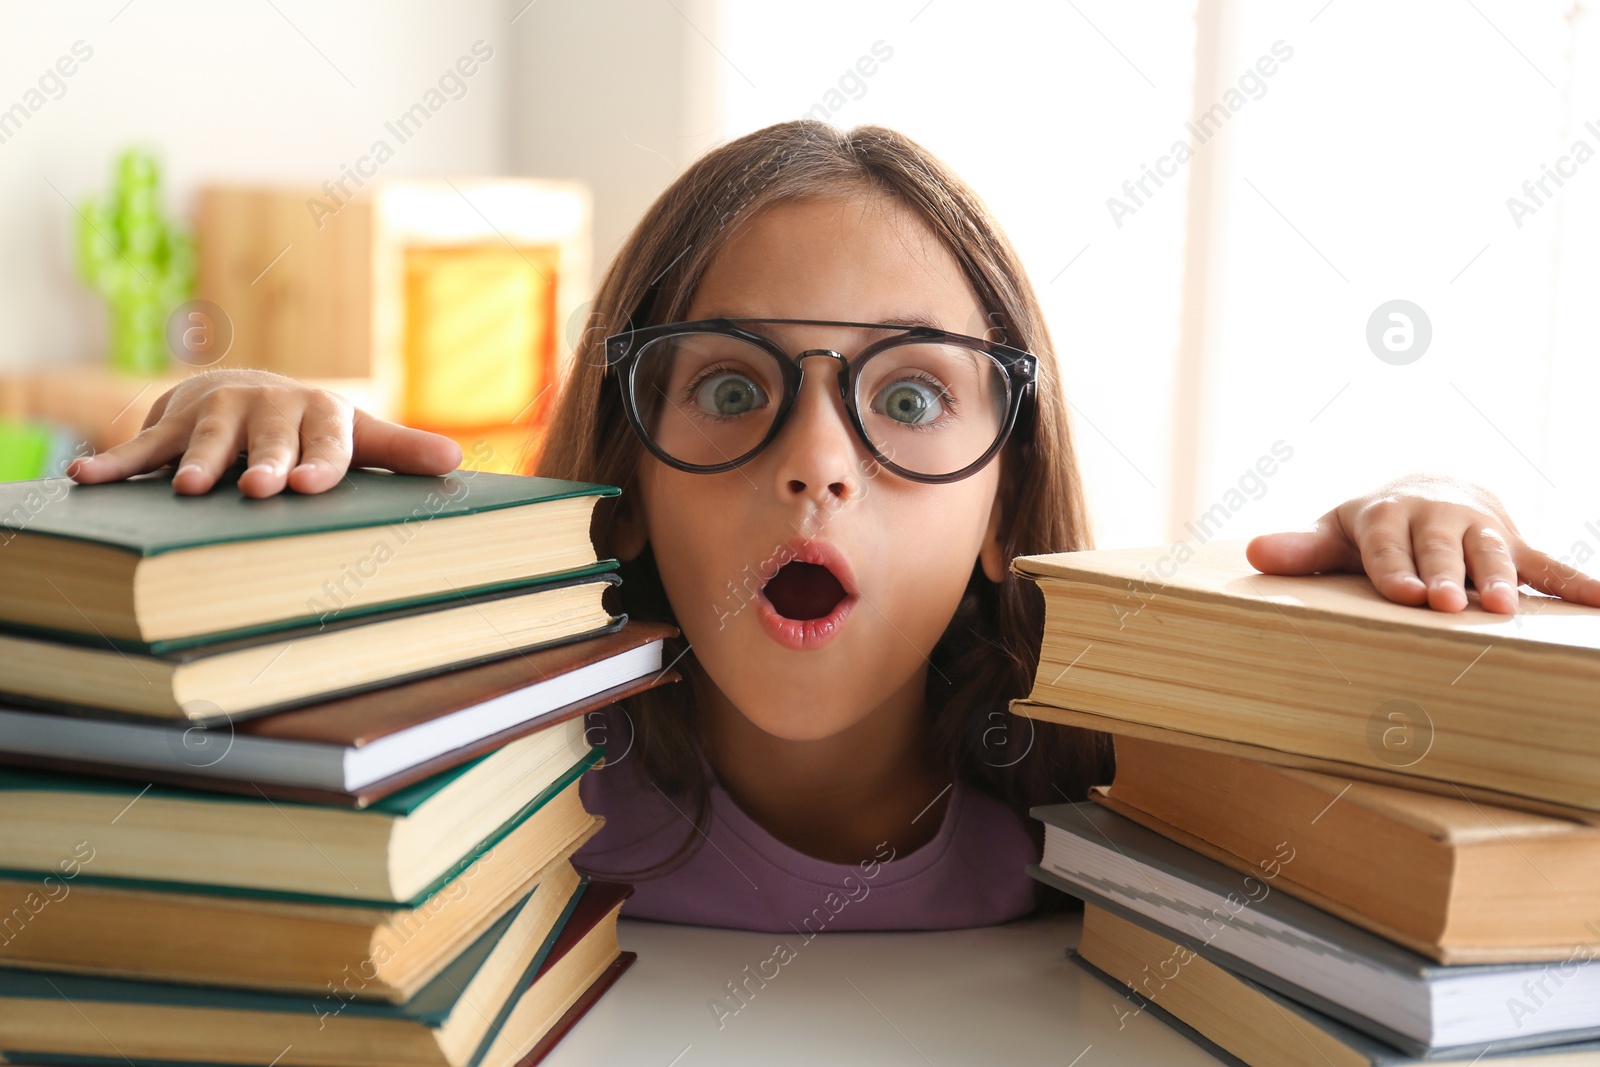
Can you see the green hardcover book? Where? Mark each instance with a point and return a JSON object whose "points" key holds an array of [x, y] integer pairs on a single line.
{"points": [[103, 831], [194, 937], [135, 560], [242, 677], [452, 1022]]}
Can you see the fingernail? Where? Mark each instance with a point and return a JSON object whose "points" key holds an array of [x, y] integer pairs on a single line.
{"points": [[268, 468], [1445, 585], [303, 467], [186, 467], [1496, 585]]}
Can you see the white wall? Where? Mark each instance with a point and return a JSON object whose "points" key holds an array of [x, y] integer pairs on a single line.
{"points": [[1379, 168], [1373, 163], [284, 91], [617, 93]]}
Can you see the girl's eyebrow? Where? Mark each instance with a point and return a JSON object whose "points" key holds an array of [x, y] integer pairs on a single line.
{"points": [[909, 319], [914, 319]]}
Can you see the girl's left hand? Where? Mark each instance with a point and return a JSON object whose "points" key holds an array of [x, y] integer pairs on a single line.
{"points": [[1418, 538]]}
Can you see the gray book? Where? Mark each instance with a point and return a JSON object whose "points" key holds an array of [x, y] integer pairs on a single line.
{"points": [[1238, 921], [1370, 1051]]}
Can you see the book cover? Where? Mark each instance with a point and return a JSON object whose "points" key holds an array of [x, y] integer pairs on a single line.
{"points": [[603, 896], [1356, 841], [400, 803], [356, 720], [573, 1015], [143, 514], [1218, 573], [1302, 1018], [1321, 666], [180, 650], [430, 1007], [1238, 922]]}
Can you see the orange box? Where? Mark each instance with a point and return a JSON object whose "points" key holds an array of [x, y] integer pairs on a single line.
{"points": [[480, 336]]}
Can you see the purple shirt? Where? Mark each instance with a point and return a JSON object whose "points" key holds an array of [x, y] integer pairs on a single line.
{"points": [[970, 874]]}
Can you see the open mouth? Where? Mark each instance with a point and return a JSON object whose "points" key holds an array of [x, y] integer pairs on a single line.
{"points": [[803, 591]]}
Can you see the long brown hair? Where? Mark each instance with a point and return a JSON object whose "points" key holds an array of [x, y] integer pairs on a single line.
{"points": [[990, 650]]}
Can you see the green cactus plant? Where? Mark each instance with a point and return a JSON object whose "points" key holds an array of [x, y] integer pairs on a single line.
{"points": [[138, 259]]}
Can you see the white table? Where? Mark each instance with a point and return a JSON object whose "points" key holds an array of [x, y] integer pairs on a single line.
{"points": [[999, 994]]}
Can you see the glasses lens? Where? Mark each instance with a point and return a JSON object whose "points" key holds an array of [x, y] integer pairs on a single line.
{"points": [[706, 398], [933, 409]]}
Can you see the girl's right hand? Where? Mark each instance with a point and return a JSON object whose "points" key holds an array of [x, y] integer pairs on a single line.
{"points": [[295, 435]]}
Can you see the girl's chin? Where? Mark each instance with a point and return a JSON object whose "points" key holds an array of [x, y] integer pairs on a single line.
{"points": [[793, 696], [786, 726], [804, 713]]}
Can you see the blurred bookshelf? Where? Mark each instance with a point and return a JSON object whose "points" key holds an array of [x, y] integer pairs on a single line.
{"points": [[438, 303]]}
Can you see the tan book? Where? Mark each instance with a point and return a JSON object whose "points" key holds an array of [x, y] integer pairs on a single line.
{"points": [[1368, 983], [1452, 879], [575, 971], [1242, 1022], [1196, 642], [133, 560], [396, 851], [475, 1005], [273, 944], [244, 677]]}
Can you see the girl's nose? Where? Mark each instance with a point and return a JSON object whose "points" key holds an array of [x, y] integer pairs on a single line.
{"points": [[818, 454]]}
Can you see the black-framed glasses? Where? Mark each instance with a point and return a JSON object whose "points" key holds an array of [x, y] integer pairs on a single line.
{"points": [[929, 405]]}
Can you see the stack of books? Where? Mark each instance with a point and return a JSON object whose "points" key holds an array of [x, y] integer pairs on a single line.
{"points": [[1341, 830], [295, 780]]}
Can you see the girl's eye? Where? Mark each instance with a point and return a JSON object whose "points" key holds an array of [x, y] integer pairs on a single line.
{"points": [[917, 401], [726, 395]]}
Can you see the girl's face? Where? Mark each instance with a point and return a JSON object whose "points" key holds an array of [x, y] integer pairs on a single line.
{"points": [[908, 548]]}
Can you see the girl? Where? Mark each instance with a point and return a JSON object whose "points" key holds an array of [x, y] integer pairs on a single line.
{"points": [[825, 479]]}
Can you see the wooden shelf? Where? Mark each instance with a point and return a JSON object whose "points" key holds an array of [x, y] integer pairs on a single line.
{"points": [[106, 408]]}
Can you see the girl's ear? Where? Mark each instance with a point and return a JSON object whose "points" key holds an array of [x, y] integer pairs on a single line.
{"points": [[628, 533], [992, 553]]}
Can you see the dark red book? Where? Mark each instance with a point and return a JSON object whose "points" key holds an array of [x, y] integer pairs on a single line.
{"points": [[579, 1009], [586, 957]]}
